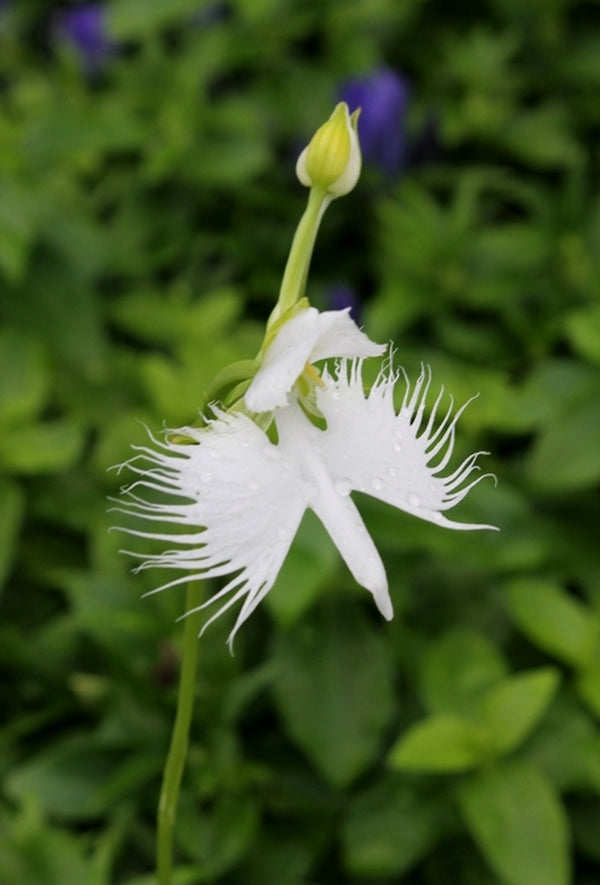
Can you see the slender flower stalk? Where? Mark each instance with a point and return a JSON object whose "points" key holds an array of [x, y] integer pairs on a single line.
{"points": [[295, 274], [173, 771]]}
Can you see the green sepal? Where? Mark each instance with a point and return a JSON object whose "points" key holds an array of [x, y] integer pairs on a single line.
{"points": [[276, 322], [229, 378]]}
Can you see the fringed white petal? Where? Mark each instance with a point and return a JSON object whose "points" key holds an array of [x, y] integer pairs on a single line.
{"points": [[394, 456], [309, 336], [238, 501], [329, 500]]}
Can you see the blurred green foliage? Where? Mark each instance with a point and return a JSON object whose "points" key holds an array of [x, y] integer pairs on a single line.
{"points": [[146, 209]]}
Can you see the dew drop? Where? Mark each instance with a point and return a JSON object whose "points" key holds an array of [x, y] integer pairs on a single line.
{"points": [[414, 500], [377, 483], [397, 447], [342, 486], [392, 471], [206, 476]]}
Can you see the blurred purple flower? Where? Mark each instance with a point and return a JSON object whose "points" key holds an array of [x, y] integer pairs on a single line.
{"points": [[85, 28], [383, 97], [341, 295]]}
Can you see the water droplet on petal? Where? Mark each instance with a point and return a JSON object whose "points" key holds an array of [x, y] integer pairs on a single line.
{"points": [[414, 500], [214, 454], [397, 447], [342, 486], [377, 483], [206, 476], [335, 394], [392, 471]]}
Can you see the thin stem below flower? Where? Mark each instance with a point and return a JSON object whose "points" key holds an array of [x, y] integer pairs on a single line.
{"points": [[296, 269], [176, 757]]}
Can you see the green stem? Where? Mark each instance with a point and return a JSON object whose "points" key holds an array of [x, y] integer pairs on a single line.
{"points": [[296, 269], [176, 757]]}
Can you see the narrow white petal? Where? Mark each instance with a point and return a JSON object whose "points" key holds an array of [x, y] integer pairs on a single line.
{"points": [[339, 336], [371, 448], [284, 362], [306, 338], [330, 502], [237, 501]]}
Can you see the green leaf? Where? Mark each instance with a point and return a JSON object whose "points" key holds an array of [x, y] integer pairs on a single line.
{"points": [[62, 309], [66, 780], [441, 743], [24, 379], [12, 506], [129, 20], [512, 708], [588, 685], [218, 837], [173, 319], [282, 854], [334, 691], [19, 213], [566, 456], [39, 448], [388, 829], [517, 821], [32, 852], [567, 748], [583, 330], [541, 136], [457, 669], [555, 621]]}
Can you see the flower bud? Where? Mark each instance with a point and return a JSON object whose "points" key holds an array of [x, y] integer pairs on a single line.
{"points": [[331, 161]]}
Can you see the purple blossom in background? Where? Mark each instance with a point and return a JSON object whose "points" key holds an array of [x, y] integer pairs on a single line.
{"points": [[340, 296], [383, 97], [85, 28]]}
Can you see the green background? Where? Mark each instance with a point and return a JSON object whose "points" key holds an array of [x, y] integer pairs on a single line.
{"points": [[145, 216]]}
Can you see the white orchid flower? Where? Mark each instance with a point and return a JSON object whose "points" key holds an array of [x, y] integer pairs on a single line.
{"points": [[239, 497]]}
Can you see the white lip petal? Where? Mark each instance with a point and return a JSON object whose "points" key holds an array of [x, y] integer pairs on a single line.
{"points": [[334, 508], [393, 456], [237, 501], [309, 336]]}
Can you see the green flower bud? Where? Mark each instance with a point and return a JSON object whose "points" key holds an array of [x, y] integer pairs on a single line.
{"points": [[332, 160]]}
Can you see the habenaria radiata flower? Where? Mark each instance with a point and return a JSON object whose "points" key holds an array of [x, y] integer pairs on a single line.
{"points": [[237, 497]]}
